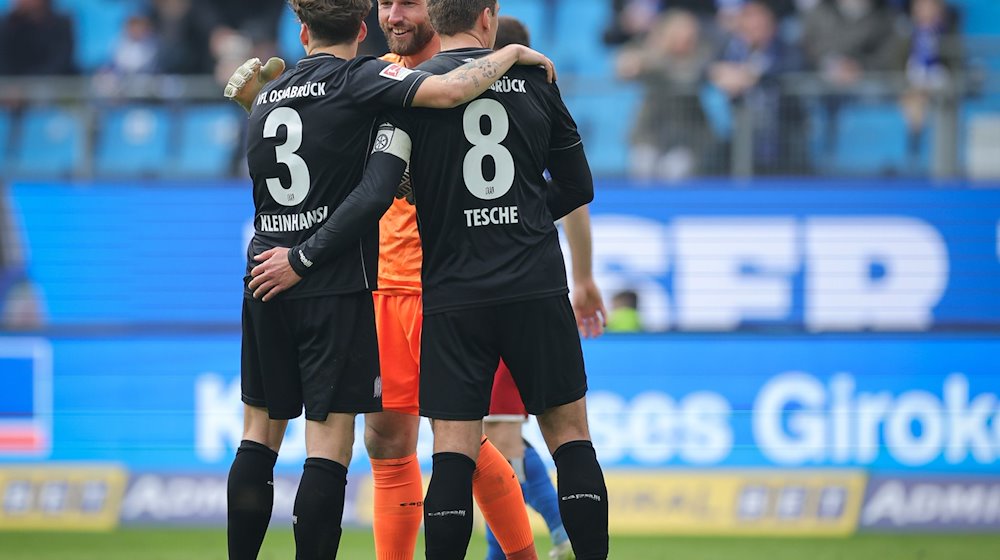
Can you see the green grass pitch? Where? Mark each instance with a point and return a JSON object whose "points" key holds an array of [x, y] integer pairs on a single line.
{"points": [[210, 544]]}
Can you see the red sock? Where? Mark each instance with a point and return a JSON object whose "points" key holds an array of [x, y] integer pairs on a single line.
{"points": [[399, 499], [498, 494]]}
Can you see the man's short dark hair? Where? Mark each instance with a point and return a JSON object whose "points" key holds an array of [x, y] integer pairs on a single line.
{"points": [[332, 22], [451, 17], [511, 31]]}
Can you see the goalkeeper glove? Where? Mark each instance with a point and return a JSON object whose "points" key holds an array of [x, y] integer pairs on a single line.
{"points": [[247, 81]]}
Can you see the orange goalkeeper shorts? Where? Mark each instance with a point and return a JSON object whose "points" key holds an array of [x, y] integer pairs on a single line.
{"points": [[398, 319]]}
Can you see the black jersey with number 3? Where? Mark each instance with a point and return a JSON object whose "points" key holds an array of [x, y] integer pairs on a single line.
{"points": [[477, 176], [308, 141]]}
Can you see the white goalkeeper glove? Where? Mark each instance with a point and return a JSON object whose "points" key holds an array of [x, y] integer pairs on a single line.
{"points": [[247, 81]]}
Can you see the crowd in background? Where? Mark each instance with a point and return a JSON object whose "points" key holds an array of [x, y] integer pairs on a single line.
{"points": [[687, 55], [744, 48]]}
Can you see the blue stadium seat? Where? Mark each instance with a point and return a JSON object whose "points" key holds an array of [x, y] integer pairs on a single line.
{"points": [[578, 47], [532, 15], [871, 139], [605, 120], [98, 25], [979, 17], [133, 141], [209, 135], [51, 143], [288, 36], [4, 136]]}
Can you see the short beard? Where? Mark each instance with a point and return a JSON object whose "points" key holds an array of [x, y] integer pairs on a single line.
{"points": [[421, 35]]}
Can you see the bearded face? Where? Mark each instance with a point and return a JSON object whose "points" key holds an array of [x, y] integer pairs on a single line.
{"points": [[406, 26]]}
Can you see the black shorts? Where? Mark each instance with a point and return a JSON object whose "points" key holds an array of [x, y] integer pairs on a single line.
{"points": [[320, 352], [460, 351]]}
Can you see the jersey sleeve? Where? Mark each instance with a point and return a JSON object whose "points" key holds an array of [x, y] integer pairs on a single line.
{"points": [[564, 134], [363, 206], [385, 83]]}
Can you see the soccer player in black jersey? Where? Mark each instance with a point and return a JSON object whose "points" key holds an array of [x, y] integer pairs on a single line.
{"points": [[493, 276], [314, 346], [494, 279]]}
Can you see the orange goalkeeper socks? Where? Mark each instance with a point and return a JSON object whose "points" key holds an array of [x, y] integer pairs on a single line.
{"points": [[399, 495], [498, 494]]}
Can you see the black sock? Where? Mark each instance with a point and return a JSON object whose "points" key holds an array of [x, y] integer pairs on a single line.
{"points": [[583, 499], [319, 509], [448, 507], [249, 499]]}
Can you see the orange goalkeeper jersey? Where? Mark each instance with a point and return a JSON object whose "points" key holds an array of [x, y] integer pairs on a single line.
{"points": [[399, 254]]}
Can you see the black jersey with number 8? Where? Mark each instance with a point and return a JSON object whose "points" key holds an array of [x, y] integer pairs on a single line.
{"points": [[477, 176]]}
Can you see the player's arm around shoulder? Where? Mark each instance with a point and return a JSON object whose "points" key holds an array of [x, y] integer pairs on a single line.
{"points": [[465, 83], [281, 268]]}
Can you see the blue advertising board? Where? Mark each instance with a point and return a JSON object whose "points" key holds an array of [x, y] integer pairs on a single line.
{"points": [[920, 403], [813, 257]]}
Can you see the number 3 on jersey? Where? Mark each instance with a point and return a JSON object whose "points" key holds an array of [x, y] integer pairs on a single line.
{"points": [[285, 154], [487, 145]]}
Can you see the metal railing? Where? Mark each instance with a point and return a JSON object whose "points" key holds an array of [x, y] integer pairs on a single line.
{"points": [[806, 126]]}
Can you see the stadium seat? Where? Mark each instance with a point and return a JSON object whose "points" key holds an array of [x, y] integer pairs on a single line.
{"points": [[871, 139], [578, 47], [209, 135], [98, 24], [4, 137], [133, 141], [532, 15], [51, 143], [604, 120], [289, 46], [979, 17]]}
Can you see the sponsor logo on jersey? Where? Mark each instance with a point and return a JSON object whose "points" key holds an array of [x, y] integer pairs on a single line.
{"points": [[395, 72], [496, 216], [293, 222], [509, 85]]}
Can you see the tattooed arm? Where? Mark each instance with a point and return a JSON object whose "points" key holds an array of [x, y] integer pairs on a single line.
{"points": [[468, 81]]}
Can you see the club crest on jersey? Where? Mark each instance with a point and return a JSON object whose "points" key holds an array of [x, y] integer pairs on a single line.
{"points": [[383, 139], [395, 72]]}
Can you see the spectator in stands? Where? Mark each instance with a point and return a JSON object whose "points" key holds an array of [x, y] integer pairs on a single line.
{"points": [[631, 19], [20, 305], [749, 71], [240, 29], [624, 315], [137, 50], [934, 57], [41, 38], [671, 134], [845, 39], [183, 36]]}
